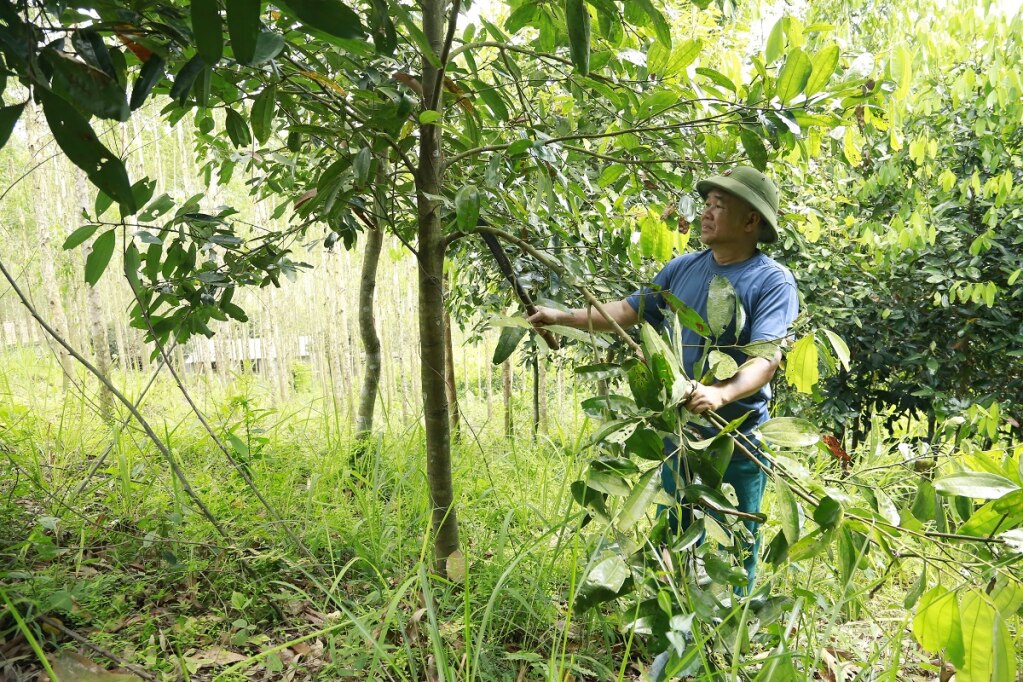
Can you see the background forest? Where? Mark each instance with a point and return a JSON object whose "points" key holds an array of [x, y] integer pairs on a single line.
{"points": [[257, 348]]}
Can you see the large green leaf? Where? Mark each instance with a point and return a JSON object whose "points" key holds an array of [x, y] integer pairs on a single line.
{"points": [[330, 16], [237, 129], [76, 138], [840, 347], [243, 28], [936, 624], [467, 207], [263, 109], [801, 365], [577, 17], [507, 343], [828, 513], [381, 28], [755, 149], [689, 318], [775, 41], [646, 390], [794, 75], [661, 27], [645, 444], [639, 500], [974, 484], [208, 30], [824, 64], [603, 583], [790, 432], [996, 516], [8, 119], [720, 304], [989, 654], [99, 256], [87, 87], [788, 510]]}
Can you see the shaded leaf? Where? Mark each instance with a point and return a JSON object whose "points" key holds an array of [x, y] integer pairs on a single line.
{"points": [[87, 87], [330, 16], [243, 27], [8, 119], [467, 207], [788, 510], [208, 29], [507, 343], [76, 138], [639, 500], [263, 109], [149, 75], [99, 257], [577, 17], [79, 236]]}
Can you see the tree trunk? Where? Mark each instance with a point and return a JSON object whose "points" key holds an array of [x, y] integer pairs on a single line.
{"points": [[51, 288], [541, 397], [449, 376], [509, 421], [431, 306], [536, 397], [368, 332]]}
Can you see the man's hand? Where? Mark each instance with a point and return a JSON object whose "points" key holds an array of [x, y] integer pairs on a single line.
{"points": [[545, 316], [707, 398]]}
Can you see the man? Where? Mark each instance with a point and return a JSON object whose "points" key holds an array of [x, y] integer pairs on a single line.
{"points": [[740, 211]]}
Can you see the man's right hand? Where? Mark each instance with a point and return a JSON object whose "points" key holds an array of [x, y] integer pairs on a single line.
{"points": [[581, 318]]}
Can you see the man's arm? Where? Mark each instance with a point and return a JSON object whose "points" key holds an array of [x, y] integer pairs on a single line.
{"points": [[582, 318], [753, 376]]}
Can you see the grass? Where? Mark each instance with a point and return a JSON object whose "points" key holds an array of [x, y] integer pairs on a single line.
{"points": [[122, 558]]}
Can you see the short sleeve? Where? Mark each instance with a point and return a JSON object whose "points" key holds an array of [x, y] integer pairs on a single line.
{"points": [[776, 308], [648, 301]]}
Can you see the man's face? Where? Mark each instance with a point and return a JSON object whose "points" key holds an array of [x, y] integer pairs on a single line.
{"points": [[728, 220]]}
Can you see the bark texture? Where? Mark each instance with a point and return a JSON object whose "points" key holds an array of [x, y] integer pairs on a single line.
{"points": [[431, 307], [368, 333]]}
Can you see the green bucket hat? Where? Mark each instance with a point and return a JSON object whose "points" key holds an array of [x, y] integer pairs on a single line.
{"points": [[753, 186]]}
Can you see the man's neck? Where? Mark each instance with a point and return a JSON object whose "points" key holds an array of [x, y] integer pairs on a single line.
{"points": [[729, 255]]}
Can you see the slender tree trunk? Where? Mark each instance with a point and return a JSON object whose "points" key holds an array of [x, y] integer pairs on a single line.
{"points": [[368, 332], [431, 306], [51, 287], [509, 421], [536, 397], [541, 399], [449, 376]]}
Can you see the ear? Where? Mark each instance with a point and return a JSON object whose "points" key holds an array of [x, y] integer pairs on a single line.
{"points": [[753, 221]]}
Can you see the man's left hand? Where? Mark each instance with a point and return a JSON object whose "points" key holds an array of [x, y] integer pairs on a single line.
{"points": [[706, 398]]}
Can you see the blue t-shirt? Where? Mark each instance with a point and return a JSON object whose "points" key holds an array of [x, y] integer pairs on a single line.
{"points": [[768, 295]]}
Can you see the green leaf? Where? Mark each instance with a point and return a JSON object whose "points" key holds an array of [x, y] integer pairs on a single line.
{"points": [[828, 513], [8, 119], [186, 78], [268, 46], [661, 27], [329, 16], [263, 109], [467, 207], [720, 304], [237, 129], [149, 75], [429, 116], [381, 28], [600, 371], [788, 510], [924, 503], [989, 654], [762, 349], [645, 444], [917, 589], [76, 138], [976, 485], [243, 28], [790, 432], [577, 17], [89, 88], [936, 625], [79, 236], [507, 343], [755, 149], [801, 365], [646, 390], [840, 347], [824, 64], [639, 500], [687, 317], [609, 482], [775, 41], [794, 75], [208, 29], [99, 257], [722, 365], [602, 583]]}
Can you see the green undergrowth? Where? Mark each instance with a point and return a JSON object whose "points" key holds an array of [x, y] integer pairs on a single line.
{"points": [[97, 538]]}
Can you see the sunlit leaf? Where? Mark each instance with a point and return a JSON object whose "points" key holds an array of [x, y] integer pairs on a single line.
{"points": [[801, 365], [936, 624], [789, 432], [982, 485], [99, 257]]}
